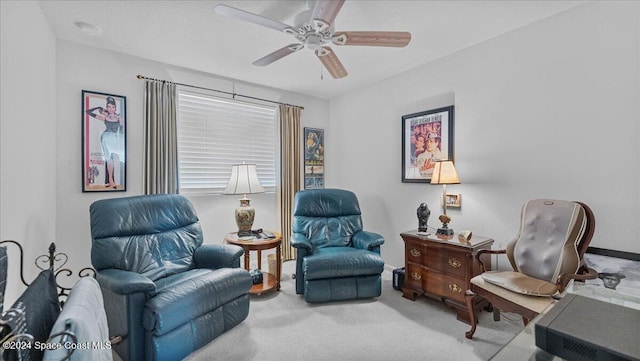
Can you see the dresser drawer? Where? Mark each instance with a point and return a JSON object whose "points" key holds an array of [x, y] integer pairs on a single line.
{"points": [[453, 263], [414, 278], [446, 286], [416, 251]]}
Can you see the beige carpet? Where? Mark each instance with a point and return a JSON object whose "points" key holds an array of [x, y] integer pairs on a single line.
{"points": [[282, 326]]}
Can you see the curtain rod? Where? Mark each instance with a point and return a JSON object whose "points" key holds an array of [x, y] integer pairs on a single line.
{"points": [[220, 91]]}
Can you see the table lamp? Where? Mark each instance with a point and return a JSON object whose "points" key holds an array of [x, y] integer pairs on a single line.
{"points": [[444, 173], [244, 180]]}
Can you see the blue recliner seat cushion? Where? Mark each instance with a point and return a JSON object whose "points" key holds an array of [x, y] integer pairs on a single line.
{"points": [[192, 294], [334, 262]]}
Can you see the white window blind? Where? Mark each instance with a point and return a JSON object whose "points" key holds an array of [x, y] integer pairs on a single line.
{"points": [[215, 133]]}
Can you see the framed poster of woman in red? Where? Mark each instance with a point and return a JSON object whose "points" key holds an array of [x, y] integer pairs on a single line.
{"points": [[103, 142]]}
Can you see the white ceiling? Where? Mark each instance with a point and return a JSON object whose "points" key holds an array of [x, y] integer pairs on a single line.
{"points": [[190, 34]]}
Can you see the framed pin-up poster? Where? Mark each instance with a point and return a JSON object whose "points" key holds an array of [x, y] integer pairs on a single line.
{"points": [[104, 140], [313, 158], [426, 138]]}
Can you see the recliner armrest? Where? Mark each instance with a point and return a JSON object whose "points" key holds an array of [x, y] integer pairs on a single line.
{"points": [[124, 282], [215, 256], [367, 240], [301, 242]]}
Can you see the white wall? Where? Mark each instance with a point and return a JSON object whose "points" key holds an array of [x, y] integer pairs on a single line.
{"points": [[41, 138], [80, 67], [549, 110], [27, 136]]}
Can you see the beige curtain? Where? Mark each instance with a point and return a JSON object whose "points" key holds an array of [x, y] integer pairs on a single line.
{"points": [[160, 162], [290, 170]]}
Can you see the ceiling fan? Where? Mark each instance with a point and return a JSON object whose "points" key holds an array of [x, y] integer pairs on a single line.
{"points": [[314, 29]]}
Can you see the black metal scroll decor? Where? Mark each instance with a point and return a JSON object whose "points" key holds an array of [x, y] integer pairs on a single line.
{"points": [[53, 261]]}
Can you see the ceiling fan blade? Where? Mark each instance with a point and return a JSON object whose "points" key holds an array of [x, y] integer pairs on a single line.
{"points": [[397, 39], [278, 54], [331, 62], [326, 10], [250, 17]]}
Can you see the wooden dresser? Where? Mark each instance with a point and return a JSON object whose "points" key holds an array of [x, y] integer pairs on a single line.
{"points": [[441, 268]]}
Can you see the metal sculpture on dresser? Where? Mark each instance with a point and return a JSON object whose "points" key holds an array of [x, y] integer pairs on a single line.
{"points": [[423, 213]]}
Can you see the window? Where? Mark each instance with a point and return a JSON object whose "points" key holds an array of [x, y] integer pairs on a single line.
{"points": [[215, 133]]}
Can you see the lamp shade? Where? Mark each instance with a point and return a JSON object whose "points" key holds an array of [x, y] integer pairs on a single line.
{"points": [[243, 180], [444, 173]]}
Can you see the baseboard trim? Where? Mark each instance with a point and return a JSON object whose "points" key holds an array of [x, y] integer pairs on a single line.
{"points": [[390, 268], [614, 253]]}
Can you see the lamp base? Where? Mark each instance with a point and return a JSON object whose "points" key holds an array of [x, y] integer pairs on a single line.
{"points": [[245, 214], [245, 233]]}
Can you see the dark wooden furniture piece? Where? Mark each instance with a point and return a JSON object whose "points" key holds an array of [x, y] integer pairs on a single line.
{"points": [[269, 281], [441, 267]]}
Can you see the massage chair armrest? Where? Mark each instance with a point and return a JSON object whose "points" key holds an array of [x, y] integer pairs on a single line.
{"points": [[215, 256], [124, 282], [367, 240], [486, 251], [583, 274], [299, 241]]}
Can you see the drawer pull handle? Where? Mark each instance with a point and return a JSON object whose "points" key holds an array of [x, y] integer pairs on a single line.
{"points": [[455, 288], [416, 276], [415, 253], [455, 263]]}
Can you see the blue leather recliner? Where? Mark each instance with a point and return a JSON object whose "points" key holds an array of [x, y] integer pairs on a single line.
{"points": [[336, 259], [165, 293]]}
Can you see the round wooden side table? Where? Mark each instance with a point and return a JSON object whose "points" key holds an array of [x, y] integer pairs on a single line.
{"points": [[269, 281]]}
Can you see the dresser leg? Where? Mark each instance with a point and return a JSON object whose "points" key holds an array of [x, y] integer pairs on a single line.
{"points": [[463, 315], [410, 295]]}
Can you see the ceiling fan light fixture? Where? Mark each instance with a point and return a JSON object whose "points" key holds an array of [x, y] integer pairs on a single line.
{"points": [[315, 29], [313, 42]]}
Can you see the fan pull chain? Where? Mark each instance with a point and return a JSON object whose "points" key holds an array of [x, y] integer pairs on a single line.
{"points": [[321, 72]]}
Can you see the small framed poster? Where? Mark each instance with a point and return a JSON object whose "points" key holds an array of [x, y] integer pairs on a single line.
{"points": [[313, 158]]}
